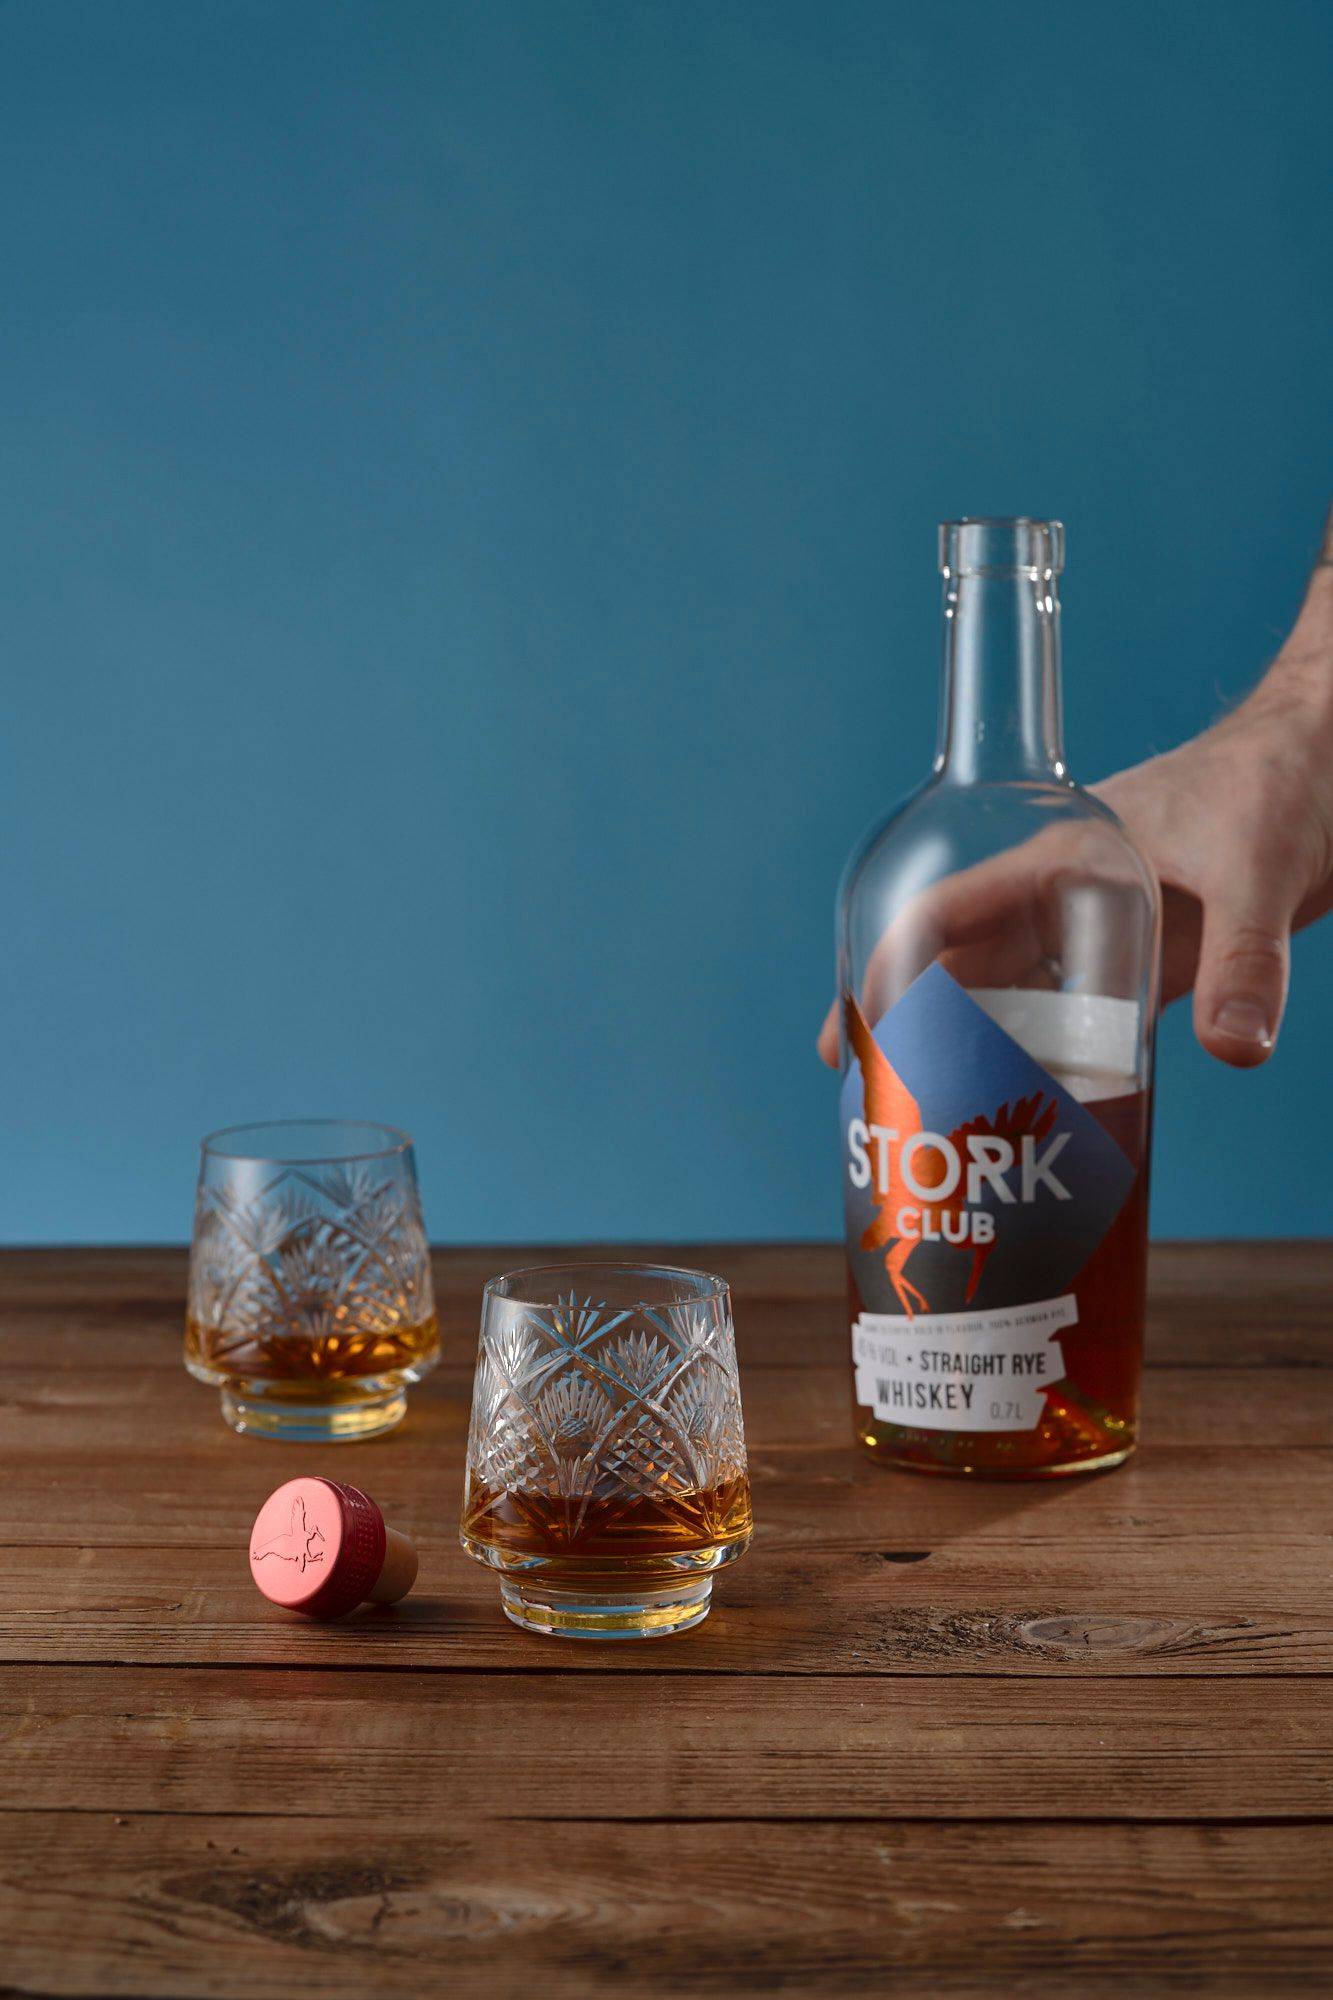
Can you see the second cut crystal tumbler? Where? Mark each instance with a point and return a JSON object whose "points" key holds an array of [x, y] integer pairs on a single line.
{"points": [[606, 1469], [310, 1301]]}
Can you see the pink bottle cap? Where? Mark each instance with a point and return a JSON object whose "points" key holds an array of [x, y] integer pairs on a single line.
{"points": [[319, 1546]]}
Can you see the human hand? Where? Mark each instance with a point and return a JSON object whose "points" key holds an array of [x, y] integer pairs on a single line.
{"points": [[1239, 826]]}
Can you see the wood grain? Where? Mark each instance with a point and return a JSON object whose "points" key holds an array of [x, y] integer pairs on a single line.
{"points": [[940, 1737], [638, 1746], [1117, 1609], [253, 1907]]}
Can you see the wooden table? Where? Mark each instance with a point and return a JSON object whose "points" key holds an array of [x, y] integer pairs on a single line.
{"points": [[949, 1737]]}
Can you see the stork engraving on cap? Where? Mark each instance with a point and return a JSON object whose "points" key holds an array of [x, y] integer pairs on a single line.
{"points": [[296, 1544]]}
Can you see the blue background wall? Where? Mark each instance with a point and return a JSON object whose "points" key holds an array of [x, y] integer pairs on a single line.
{"points": [[467, 527]]}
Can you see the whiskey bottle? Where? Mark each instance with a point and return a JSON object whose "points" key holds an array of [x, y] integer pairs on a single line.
{"points": [[998, 944]]}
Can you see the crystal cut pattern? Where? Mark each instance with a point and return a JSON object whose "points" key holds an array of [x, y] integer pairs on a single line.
{"points": [[578, 1402], [310, 1252]]}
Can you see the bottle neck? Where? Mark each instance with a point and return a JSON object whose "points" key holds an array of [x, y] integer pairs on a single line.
{"points": [[1000, 692]]}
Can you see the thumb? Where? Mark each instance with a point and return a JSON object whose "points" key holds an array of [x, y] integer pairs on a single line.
{"points": [[1240, 988]]}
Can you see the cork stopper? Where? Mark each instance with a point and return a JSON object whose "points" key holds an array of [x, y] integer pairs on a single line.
{"points": [[322, 1547]]}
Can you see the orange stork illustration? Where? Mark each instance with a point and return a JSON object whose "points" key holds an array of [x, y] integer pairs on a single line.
{"points": [[890, 1104]]}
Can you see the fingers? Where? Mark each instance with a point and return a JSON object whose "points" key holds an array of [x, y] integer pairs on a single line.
{"points": [[980, 924], [1001, 922], [1241, 986], [985, 922]]}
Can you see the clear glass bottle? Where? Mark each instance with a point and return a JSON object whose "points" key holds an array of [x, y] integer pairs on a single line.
{"points": [[998, 945]]}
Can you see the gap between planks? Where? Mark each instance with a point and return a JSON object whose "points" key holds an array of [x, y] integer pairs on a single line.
{"points": [[537, 1669]]}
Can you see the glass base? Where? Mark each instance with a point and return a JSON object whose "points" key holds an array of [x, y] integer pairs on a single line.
{"points": [[578, 1614], [347, 1421]]}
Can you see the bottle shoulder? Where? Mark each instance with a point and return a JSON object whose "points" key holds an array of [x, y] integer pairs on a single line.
{"points": [[1007, 885], [944, 828], [1119, 840]]}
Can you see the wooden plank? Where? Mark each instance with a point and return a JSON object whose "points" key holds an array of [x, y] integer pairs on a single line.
{"points": [[1244, 1305], [129, 1305], [1119, 1608], [130, 1413], [1210, 1304], [201, 1487], [648, 1747], [248, 1908]]}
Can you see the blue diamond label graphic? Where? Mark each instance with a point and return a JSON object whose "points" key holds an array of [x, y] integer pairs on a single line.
{"points": [[976, 1188]]}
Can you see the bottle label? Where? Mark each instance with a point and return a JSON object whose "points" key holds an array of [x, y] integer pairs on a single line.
{"points": [[982, 1371], [977, 1186]]}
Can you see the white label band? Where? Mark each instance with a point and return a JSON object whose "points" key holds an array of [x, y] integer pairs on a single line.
{"points": [[972, 1371]]}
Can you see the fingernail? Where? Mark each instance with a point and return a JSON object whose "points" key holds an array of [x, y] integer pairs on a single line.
{"points": [[1244, 1022]]}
